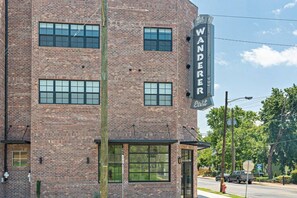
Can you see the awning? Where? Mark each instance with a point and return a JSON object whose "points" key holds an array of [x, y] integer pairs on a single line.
{"points": [[200, 145], [15, 141], [138, 141]]}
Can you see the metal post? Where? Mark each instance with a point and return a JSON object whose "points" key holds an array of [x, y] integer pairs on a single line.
{"points": [[232, 144], [104, 105], [224, 142], [247, 178]]}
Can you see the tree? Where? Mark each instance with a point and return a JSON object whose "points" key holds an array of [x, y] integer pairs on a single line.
{"points": [[279, 117], [249, 138]]}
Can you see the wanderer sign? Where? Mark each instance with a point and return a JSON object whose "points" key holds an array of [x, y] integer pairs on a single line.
{"points": [[202, 53]]}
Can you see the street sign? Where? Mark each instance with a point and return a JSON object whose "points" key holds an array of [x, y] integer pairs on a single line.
{"points": [[229, 122], [259, 167], [248, 165]]}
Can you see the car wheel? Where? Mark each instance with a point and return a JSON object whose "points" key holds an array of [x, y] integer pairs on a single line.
{"points": [[249, 182], [238, 181]]}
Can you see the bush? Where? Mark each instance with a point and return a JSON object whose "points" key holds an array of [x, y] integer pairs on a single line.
{"points": [[261, 179], [287, 179], [294, 176]]}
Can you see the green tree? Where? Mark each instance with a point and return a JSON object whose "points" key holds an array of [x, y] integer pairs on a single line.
{"points": [[279, 117], [249, 138]]}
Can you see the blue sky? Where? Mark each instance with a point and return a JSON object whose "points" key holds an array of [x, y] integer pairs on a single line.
{"points": [[245, 69]]}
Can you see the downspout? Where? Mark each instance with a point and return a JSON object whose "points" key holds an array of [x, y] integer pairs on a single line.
{"points": [[6, 89]]}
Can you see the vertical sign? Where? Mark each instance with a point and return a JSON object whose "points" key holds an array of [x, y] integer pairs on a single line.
{"points": [[202, 74]]}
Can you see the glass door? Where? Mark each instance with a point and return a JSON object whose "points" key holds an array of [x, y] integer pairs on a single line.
{"points": [[187, 174]]}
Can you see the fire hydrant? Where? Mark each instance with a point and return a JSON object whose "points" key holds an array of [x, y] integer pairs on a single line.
{"points": [[224, 188]]}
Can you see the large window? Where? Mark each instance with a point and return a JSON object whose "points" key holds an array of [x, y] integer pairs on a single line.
{"points": [[69, 35], [157, 94], [114, 163], [157, 39], [69, 92], [149, 163], [19, 158]]}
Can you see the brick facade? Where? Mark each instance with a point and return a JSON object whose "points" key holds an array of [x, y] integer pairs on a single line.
{"points": [[63, 134]]}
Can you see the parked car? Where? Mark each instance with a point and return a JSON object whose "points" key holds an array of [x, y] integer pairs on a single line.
{"points": [[226, 176], [241, 176]]}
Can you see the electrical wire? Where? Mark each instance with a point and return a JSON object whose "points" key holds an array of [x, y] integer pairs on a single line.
{"points": [[255, 42], [256, 18]]}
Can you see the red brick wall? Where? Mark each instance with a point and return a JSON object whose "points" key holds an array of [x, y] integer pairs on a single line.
{"points": [[2, 51]]}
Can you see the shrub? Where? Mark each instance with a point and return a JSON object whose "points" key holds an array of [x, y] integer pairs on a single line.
{"points": [[261, 179], [286, 177], [294, 176]]}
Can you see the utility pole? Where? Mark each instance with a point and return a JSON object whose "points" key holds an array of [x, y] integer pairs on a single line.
{"points": [[224, 142], [232, 144], [104, 104]]}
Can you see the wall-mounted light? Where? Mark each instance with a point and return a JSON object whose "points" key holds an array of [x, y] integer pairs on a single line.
{"points": [[188, 66], [188, 93], [188, 38], [179, 160], [88, 160], [40, 160], [6, 175]]}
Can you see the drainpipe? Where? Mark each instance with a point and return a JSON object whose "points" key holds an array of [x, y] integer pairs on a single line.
{"points": [[6, 90]]}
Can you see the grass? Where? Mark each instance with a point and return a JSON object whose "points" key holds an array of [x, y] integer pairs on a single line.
{"points": [[219, 193]]}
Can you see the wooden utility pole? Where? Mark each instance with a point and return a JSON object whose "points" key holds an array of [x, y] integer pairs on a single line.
{"points": [[104, 104], [232, 143]]}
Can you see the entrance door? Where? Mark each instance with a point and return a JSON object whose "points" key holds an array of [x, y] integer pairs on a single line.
{"points": [[187, 174]]}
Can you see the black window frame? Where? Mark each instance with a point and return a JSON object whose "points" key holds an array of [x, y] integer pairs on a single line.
{"points": [[158, 94], [69, 36], [149, 153], [54, 92], [117, 163], [158, 40]]}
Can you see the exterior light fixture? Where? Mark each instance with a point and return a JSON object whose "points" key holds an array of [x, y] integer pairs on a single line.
{"points": [[179, 160], [88, 160], [6, 175], [40, 160], [188, 66], [188, 93], [188, 38]]}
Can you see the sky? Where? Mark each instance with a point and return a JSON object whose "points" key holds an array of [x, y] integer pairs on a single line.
{"points": [[251, 69]]}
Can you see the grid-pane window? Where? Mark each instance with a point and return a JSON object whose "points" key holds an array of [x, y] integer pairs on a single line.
{"points": [[149, 163], [114, 163], [157, 39], [157, 94], [69, 35], [69, 92], [19, 158]]}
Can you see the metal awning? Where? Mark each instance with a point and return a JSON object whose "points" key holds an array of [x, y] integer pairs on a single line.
{"points": [[15, 141], [138, 141], [200, 145]]}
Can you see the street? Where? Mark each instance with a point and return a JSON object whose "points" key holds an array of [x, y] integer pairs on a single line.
{"points": [[254, 190]]}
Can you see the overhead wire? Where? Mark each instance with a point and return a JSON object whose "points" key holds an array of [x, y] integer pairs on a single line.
{"points": [[255, 18]]}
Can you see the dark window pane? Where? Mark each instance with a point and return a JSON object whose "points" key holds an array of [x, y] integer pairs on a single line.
{"points": [[62, 98], [92, 30], [139, 158], [165, 100], [77, 98], [77, 42], [164, 45], [165, 34], [136, 168], [46, 40], [159, 176], [46, 28], [92, 99], [92, 42], [62, 41], [150, 45], [138, 149], [150, 33], [62, 29], [77, 30], [150, 100], [47, 98], [139, 176]]}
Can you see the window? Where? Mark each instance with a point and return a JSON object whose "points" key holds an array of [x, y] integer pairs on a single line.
{"points": [[19, 158], [68, 35], [69, 92], [157, 39], [157, 94], [114, 163], [149, 163]]}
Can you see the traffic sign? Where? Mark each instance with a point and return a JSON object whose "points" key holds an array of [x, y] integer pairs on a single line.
{"points": [[248, 165]]}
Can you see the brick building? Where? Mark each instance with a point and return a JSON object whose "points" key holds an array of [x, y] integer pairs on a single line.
{"points": [[50, 98]]}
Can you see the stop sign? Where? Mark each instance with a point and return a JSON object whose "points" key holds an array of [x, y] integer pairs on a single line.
{"points": [[248, 165]]}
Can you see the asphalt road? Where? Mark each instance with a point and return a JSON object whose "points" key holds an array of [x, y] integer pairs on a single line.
{"points": [[253, 190]]}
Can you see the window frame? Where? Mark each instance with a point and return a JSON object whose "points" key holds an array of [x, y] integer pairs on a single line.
{"points": [[157, 40], [69, 36], [158, 94], [19, 152], [149, 162], [54, 92], [113, 182]]}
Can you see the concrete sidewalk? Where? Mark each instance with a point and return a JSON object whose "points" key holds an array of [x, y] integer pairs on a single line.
{"points": [[203, 194]]}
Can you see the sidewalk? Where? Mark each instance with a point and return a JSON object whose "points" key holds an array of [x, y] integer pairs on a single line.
{"points": [[203, 194]]}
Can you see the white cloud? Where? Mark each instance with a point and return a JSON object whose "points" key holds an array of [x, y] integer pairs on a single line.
{"points": [[276, 12], [272, 31], [295, 32], [268, 57], [216, 86], [290, 5]]}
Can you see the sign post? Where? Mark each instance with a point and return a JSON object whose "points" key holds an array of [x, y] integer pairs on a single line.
{"points": [[248, 166]]}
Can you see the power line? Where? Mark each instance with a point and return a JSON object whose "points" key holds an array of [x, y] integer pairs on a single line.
{"points": [[255, 42], [257, 18]]}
